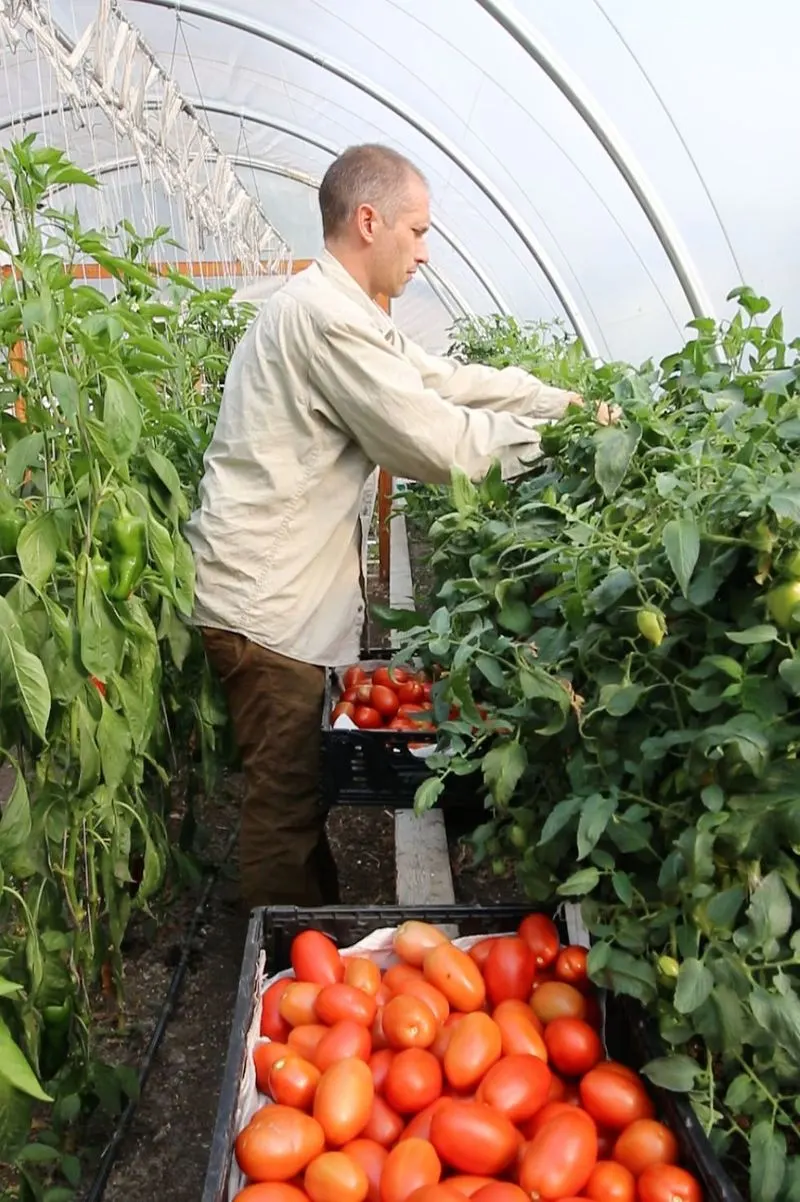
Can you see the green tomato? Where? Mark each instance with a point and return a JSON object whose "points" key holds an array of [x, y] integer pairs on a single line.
{"points": [[651, 624], [499, 867], [782, 602], [517, 837], [668, 966]]}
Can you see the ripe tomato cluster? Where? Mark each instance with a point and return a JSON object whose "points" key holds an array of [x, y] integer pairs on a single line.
{"points": [[450, 1075], [386, 699]]}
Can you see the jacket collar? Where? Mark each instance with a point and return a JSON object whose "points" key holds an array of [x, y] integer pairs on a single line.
{"points": [[333, 270]]}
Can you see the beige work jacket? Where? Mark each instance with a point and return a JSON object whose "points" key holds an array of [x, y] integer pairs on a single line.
{"points": [[321, 389]]}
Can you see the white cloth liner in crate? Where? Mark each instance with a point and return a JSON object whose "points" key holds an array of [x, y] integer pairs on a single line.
{"points": [[378, 947]]}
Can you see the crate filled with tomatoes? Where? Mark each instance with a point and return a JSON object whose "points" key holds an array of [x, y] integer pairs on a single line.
{"points": [[378, 730], [378, 1056]]}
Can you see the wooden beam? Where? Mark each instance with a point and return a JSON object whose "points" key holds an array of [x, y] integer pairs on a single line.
{"points": [[206, 269]]}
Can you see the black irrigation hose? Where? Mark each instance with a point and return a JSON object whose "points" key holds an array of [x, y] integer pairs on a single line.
{"points": [[98, 1186]]}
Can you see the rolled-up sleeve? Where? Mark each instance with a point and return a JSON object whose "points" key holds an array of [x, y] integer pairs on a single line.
{"points": [[503, 389], [373, 391]]}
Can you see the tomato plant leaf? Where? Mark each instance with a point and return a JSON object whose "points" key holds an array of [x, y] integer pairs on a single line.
{"points": [[14, 1068], [114, 744], [615, 447], [503, 767], [428, 794], [779, 1014], [767, 1162], [465, 494], [489, 667], [764, 633], [596, 813], [25, 670], [694, 986], [561, 813], [677, 1073], [102, 639], [789, 672], [581, 882], [15, 823], [770, 909], [622, 972], [22, 455], [681, 540]]}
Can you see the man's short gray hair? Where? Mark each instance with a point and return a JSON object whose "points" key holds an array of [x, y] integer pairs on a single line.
{"points": [[370, 174]]}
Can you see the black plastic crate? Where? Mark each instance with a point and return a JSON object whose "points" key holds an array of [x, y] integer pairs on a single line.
{"points": [[377, 767], [629, 1036]]}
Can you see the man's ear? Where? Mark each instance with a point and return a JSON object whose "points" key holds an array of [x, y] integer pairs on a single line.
{"points": [[366, 221]]}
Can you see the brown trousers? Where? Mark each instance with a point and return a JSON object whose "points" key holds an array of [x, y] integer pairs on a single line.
{"points": [[275, 705]]}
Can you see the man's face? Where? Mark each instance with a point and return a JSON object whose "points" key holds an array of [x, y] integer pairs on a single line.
{"points": [[399, 248]]}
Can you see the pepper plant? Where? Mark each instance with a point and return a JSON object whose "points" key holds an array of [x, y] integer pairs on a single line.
{"points": [[629, 614], [107, 406]]}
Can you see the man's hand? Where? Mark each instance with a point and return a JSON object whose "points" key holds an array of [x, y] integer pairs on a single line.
{"points": [[606, 414]]}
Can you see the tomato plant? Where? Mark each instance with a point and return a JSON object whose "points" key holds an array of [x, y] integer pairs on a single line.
{"points": [[626, 610]]}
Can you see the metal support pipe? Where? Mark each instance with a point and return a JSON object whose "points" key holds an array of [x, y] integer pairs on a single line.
{"points": [[310, 139], [439, 285], [598, 121], [211, 12]]}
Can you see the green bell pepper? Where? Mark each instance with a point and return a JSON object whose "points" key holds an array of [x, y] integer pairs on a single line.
{"points": [[102, 572], [10, 526], [129, 545]]}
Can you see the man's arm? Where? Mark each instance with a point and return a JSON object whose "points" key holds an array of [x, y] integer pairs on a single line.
{"points": [[504, 389], [378, 396]]}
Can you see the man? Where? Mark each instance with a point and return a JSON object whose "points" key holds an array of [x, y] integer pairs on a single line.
{"points": [[321, 389]]}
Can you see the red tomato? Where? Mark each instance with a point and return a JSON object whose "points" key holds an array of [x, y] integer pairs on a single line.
{"points": [[400, 724], [561, 1157], [420, 1125], [343, 1101], [372, 1158], [337, 1003], [509, 970], [362, 973], [552, 1110], [315, 957], [367, 718], [611, 1182], [468, 1185], [410, 1165], [517, 1086], [457, 976], [264, 1056], [614, 1099], [272, 1025], [554, 999], [541, 935], [354, 676], [572, 1045], [427, 690], [343, 1041], [443, 1192], [271, 1191], [390, 678], [414, 1081], [430, 995], [410, 693], [476, 1045], [501, 1191], [298, 1004], [379, 1063], [350, 696], [668, 1183], [414, 939], [278, 1143], [519, 1030], [413, 711], [480, 951], [384, 700], [344, 709], [396, 977], [334, 1177], [558, 1088], [645, 1143], [384, 1125], [293, 1082], [305, 1039], [408, 1022], [570, 966], [473, 1138]]}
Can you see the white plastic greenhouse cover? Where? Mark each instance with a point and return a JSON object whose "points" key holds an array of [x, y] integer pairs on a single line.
{"points": [[695, 94]]}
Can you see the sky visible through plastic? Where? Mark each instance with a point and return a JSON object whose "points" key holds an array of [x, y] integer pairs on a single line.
{"points": [[703, 93]]}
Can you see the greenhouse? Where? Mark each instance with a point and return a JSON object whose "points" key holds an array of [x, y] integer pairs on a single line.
{"points": [[399, 601]]}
